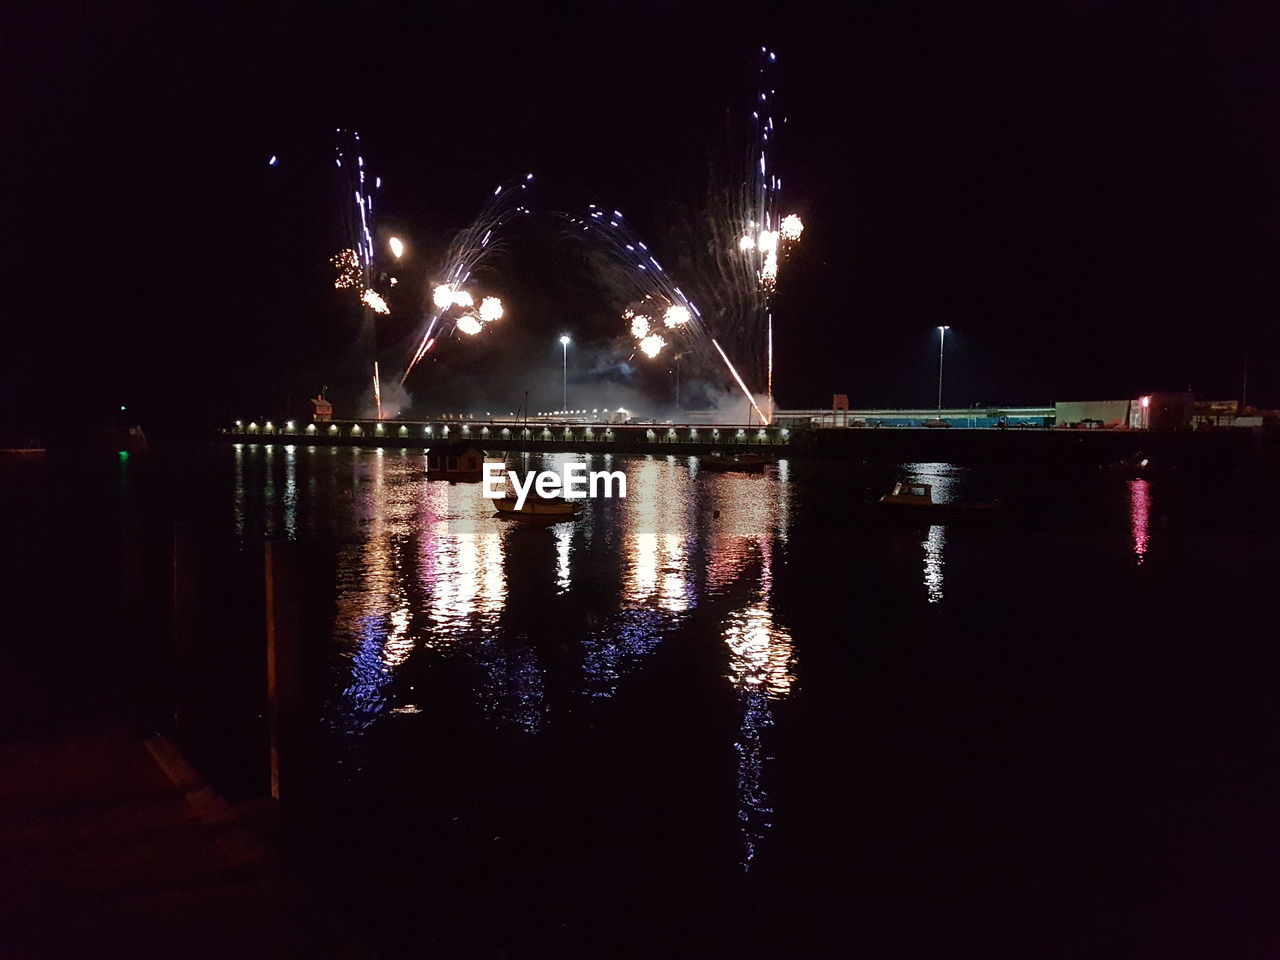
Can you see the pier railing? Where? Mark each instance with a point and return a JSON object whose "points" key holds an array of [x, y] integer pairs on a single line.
{"points": [[535, 435]]}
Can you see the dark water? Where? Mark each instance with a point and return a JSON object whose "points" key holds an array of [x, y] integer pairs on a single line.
{"points": [[728, 715]]}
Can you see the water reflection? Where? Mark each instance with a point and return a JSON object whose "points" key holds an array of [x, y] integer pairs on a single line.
{"points": [[291, 492], [761, 658], [1139, 517], [238, 490], [424, 578], [657, 525], [373, 603], [933, 544]]}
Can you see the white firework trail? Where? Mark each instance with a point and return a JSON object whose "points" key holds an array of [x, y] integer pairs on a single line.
{"points": [[451, 300], [652, 296]]}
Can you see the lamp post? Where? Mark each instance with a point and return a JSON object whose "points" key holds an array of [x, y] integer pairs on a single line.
{"points": [[564, 342], [942, 342]]}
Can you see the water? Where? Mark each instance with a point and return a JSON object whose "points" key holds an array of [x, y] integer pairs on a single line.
{"points": [[729, 714]]}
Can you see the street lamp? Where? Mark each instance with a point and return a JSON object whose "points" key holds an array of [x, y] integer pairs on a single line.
{"points": [[942, 342], [397, 247], [564, 342]]}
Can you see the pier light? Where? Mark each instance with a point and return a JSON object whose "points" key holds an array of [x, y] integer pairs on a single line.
{"points": [[311, 428], [741, 431], [289, 425], [355, 431], [237, 423], [333, 430], [564, 344], [715, 433]]}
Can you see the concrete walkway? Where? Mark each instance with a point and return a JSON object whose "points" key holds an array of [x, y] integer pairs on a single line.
{"points": [[110, 846]]}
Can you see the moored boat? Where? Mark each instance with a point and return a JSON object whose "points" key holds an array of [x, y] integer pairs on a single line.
{"points": [[742, 462], [538, 507], [916, 499]]}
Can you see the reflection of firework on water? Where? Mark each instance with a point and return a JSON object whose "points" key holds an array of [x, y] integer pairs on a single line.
{"points": [[347, 264], [451, 300], [650, 292]]}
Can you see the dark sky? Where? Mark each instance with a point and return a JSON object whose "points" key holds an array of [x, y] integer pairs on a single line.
{"points": [[1086, 192]]}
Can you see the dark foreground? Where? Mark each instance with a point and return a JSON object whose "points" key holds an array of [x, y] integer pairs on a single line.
{"points": [[730, 715]]}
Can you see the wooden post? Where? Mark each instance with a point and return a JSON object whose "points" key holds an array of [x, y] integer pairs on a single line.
{"points": [[284, 684], [189, 712]]}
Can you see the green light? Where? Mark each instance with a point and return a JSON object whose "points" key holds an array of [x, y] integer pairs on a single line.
{"points": [[122, 408], [123, 454]]}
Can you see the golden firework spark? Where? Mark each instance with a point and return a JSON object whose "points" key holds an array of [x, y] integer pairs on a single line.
{"points": [[373, 300]]}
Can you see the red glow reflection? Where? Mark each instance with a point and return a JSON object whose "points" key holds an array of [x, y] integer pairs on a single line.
{"points": [[1139, 516]]}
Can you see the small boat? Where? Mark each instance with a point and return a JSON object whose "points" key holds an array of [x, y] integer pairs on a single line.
{"points": [[742, 462], [538, 507], [916, 499]]}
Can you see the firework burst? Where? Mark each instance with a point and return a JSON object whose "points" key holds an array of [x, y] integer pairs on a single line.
{"points": [[452, 300], [652, 297]]}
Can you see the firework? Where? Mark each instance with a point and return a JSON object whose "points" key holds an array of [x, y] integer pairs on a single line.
{"points": [[745, 391], [738, 248], [676, 316], [347, 264], [358, 203], [374, 302], [470, 251], [791, 227], [652, 345], [638, 274], [377, 389]]}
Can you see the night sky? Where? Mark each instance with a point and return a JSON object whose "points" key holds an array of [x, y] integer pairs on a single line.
{"points": [[1086, 192]]}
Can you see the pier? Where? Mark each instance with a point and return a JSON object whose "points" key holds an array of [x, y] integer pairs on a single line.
{"points": [[789, 435]]}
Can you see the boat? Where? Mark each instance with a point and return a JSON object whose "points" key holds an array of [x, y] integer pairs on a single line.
{"points": [[741, 463], [538, 507], [916, 499]]}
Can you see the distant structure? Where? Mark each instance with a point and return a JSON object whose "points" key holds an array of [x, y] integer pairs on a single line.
{"points": [[324, 409], [445, 463], [1152, 411]]}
